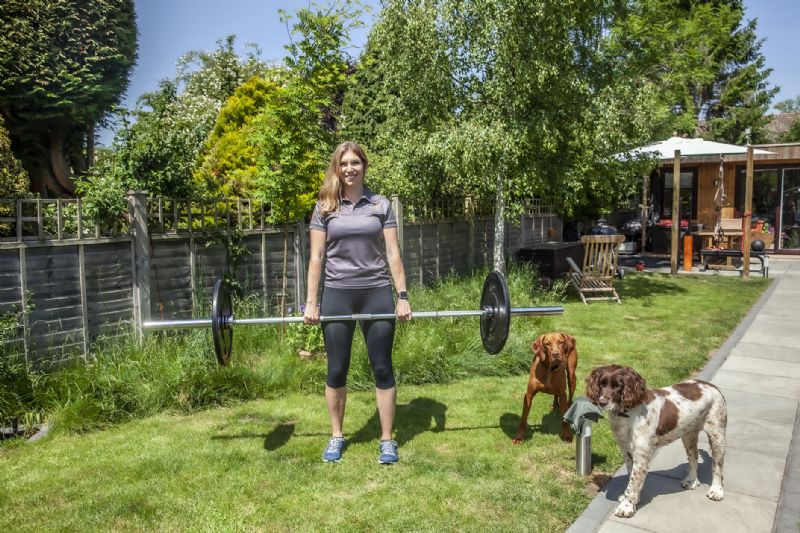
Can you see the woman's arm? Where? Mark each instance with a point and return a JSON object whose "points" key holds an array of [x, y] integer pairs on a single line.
{"points": [[315, 261], [403, 309]]}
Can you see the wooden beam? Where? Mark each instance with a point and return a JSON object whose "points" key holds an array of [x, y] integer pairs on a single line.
{"points": [[645, 211], [676, 211], [748, 213]]}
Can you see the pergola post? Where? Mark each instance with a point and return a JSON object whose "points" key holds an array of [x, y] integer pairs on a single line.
{"points": [[676, 211], [645, 211], [748, 213]]}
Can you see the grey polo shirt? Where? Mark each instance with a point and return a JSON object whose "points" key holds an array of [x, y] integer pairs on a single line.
{"points": [[355, 249]]}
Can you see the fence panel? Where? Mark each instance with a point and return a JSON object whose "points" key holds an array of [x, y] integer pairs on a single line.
{"points": [[78, 282], [171, 279], [11, 301], [109, 289], [54, 290], [274, 274]]}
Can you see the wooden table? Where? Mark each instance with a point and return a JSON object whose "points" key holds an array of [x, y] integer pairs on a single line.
{"points": [[707, 241], [730, 239], [707, 238]]}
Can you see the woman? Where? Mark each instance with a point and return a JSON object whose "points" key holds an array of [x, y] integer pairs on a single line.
{"points": [[354, 235]]}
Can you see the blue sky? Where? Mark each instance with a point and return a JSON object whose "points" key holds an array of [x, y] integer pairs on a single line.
{"points": [[170, 28]]}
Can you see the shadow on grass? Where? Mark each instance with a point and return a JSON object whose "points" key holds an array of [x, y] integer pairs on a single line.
{"points": [[549, 425], [411, 419], [274, 439], [645, 285]]}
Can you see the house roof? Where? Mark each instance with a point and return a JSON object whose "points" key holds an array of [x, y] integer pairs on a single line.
{"points": [[780, 124]]}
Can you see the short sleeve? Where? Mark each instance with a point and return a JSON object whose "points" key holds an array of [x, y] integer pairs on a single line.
{"points": [[317, 221], [389, 221]]}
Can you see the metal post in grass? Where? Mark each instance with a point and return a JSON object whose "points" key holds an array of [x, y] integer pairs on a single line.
{"points": [[137, 210], [583, 450]]}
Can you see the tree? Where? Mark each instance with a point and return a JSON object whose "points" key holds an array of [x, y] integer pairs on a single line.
{"points": [[296, 129], [14, 181], [227, 164], [502, 99], [315, 66], [705, 60], [791, 105], [159, 150], [792, 135], [64, 65]]}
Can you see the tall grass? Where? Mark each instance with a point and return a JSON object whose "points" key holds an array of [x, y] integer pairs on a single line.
{"points": [[177, 371]]}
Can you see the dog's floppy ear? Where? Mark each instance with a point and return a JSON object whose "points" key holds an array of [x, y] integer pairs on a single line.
{"points": [[634, 388], [593, 384], [568, 341], [536, 348]]}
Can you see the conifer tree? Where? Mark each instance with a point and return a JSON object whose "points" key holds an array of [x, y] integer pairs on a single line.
{"points": [[64, 65]]}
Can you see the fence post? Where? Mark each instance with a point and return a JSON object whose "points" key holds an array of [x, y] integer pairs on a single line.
{"points": [[300, 263], [469, 211], [23, 301], [137, 210], [397, 207]]}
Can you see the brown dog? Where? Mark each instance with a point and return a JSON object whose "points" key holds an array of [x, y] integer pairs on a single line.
{"points": [[552, 371]]}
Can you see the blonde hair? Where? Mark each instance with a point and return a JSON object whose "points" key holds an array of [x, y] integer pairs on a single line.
{"points": [[331, 189]]}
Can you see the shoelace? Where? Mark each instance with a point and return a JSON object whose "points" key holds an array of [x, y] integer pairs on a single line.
{"points": [[335, 445], [389, 447]]}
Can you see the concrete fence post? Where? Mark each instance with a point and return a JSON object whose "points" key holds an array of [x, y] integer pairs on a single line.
{"points": [[469, 212], [300, 246], [137, 210], [397, 207]]}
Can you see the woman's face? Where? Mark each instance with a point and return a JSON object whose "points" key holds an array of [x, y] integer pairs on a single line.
{"points": [[351, 170]]}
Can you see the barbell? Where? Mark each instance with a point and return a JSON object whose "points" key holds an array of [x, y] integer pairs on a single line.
{"points": [[495, 315]]}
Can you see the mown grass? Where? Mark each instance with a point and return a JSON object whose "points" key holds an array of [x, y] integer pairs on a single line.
{"points": [[256, 465]]}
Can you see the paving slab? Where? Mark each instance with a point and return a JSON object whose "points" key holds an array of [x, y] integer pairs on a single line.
{"points": [[745, 472], [757, 365], [782, 305], [767, 351], [667, 508], [748, 382], [622, 527], [761, 406], [788, 514], [772, 333], [759, 435]]}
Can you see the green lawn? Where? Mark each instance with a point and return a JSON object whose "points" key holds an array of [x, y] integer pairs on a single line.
{"points": [[256, 465]]}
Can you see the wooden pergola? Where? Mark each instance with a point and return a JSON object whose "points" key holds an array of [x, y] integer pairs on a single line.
{"points": [[676, 147]]}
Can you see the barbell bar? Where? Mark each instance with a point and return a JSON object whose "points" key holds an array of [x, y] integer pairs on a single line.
{"points": [[495, 317]]}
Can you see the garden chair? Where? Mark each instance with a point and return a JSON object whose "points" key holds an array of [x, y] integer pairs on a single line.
{"points": [[595, 281]]}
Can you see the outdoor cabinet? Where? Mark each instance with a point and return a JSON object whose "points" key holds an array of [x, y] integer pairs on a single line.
{"points": [[551, 257]]}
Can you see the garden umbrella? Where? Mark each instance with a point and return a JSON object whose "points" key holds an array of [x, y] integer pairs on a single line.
{"points": [[676, 147], [688, 147]]}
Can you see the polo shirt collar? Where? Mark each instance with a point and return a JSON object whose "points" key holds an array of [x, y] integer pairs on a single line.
{"points": [[367, 195]]}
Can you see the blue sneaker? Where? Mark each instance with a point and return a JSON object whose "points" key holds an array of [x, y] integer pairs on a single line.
{"points": [[388, 454], [333, 452]]}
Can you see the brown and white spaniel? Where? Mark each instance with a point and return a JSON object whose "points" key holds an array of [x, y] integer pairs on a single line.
{"points": [[643, 419]]}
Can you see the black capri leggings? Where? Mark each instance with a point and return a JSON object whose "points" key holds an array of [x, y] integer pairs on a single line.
{"points": [[378, 334]]}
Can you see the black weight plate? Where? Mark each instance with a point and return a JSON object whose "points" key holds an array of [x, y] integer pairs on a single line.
{"points": [[495, 325], [221, 328]]}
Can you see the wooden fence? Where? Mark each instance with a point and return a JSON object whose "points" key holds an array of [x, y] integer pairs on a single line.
{"points": [[66, 282]]}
